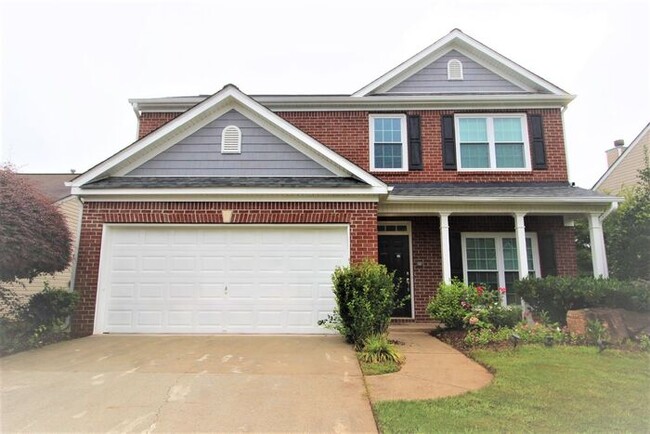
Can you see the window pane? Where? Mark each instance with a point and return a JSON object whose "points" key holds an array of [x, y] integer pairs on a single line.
{"points": [[474, 155], [510, 155], [481, 254], [489, 279], [388, 156], [472, 130], [507, 130], [510, 254], [388, 130], [511, 297]]}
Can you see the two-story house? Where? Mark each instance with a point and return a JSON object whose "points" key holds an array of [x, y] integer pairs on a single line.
{"points": [[230, 211]]}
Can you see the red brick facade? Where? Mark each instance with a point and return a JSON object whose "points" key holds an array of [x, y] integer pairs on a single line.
{"points": [[361, 216], [347, 133]]}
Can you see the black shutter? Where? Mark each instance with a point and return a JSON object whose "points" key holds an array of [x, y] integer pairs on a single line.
{"points": [[448, 143], [415, 143], [547, 255], [536, 127], [456, 255]]}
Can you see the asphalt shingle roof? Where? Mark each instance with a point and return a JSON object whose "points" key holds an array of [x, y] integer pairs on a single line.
{"points": [[51, 185], [471, 189]]}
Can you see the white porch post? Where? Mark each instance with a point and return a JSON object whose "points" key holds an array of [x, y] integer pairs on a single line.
{"points": [[444, 247], [522, 255], [597, 241]]}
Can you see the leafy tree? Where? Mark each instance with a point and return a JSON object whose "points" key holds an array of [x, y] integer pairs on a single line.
{"points": [[34, 238], [627, 232]]}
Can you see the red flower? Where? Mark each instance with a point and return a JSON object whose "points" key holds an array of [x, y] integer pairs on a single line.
{"points": [[502, 290], [480, 290]]}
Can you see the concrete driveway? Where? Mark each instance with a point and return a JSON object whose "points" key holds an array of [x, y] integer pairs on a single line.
{"points": [[118, 383]]}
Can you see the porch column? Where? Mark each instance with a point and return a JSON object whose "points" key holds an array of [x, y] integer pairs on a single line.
{"points": [[597, 241], [522, 256], [445, 254]]}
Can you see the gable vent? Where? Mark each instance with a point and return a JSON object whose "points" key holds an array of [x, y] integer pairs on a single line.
{"points": [[454, 70], [231, 140]]}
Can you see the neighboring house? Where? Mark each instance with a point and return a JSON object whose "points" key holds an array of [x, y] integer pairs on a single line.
{"points": [[52, 186], [624, 164], [231, 211]]}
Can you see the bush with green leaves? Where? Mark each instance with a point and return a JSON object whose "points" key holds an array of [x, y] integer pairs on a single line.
{"points": [[527, 334], [42, 320], [452, 302], [379, 349], [492, 315], [557, 295], [365, 297]]}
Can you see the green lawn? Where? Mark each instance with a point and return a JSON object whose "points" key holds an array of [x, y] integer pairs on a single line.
{"points": [[537, 389], [378, 368]]}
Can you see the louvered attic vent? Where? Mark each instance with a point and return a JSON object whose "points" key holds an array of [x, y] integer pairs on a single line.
{"points": [[454, 70], [231, 140]]}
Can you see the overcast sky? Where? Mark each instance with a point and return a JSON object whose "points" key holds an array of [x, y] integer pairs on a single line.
{"points": [[68, 68]]}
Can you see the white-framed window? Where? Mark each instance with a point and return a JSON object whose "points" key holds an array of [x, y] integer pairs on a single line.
{"points": [[454, 70], [490, 259], [231, 140], [388, 146], [497, 142]]}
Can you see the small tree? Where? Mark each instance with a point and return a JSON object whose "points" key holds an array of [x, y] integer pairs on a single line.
{"points": [[627, 232], [34, 238]]}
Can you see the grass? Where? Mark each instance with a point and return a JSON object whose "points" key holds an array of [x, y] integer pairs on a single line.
{"points": [[538, 389], [378, 368]]}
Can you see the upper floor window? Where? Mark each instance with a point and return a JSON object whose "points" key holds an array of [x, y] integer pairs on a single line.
{"points": [[231, 140], [492, 142], [388, 149], [454, 70]]}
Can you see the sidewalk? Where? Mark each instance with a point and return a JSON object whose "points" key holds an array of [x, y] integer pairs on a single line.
{"points": [[432, 370]]}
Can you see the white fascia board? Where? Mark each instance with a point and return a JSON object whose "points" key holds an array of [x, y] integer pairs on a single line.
{"points": [[396, 101], [503, 200], [621, 157], [455, 37], [494, 208], [230, 195]]}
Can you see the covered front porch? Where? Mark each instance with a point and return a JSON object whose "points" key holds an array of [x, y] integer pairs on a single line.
{"points": [[431, 238]]}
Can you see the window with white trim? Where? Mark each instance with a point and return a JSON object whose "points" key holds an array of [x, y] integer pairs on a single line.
{"points": [[454, 70], [388, 149], [231, 140], [490, 259], [492, 142]]}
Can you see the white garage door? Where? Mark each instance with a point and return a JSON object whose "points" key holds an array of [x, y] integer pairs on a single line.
{"points": [[218, 279]]}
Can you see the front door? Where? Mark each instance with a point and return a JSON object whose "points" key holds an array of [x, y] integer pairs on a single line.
{"points": [[394, 254]]}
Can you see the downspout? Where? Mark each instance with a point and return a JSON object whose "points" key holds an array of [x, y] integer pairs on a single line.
{"points": [[613, 207]]}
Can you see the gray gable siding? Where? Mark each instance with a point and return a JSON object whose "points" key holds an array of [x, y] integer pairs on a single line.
{"points": [[433, 79], [262, 154]]}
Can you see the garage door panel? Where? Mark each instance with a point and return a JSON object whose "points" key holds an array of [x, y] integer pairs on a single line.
{"points": [[237, 279]]}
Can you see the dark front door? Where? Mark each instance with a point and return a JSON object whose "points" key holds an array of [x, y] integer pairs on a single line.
{"points": [[394, 254]]}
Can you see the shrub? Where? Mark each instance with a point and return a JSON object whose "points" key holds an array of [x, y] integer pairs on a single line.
{"points": [[557, 295], [535, 334], [378, 349], [366, 297], [452, 302], [493, 315], [50, 307], [41, 321]]}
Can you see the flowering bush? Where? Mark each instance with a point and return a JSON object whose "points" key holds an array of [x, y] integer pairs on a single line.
{"points": [[467, 306], [452, 302]]}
